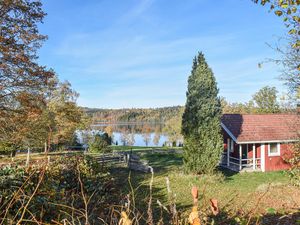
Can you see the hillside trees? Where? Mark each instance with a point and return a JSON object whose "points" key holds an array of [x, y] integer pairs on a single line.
{"points": [[30, 108], [153, 115], [201, 126]]}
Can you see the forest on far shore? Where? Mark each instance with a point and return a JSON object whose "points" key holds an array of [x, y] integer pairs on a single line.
{"points": [[265, 100]]}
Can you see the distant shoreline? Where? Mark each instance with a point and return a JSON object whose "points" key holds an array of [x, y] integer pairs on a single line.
{"points": [[105, 123]]}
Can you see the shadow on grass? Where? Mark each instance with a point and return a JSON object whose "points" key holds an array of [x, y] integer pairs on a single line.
{"points": [[268, 219], [162, 162], [227, 173], [281, 219]]}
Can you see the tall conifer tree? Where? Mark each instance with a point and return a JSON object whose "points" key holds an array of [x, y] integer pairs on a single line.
{"points": [[201, 126]]}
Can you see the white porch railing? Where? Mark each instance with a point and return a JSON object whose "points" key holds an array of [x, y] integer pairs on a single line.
{"points": [[239, 164]]}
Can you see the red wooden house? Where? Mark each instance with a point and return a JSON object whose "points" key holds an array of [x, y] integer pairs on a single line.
{"points": [[258, 142]]}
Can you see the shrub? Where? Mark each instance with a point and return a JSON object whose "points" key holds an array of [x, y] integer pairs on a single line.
{"points": [[294, 172], [100, 144], [64, 193]]}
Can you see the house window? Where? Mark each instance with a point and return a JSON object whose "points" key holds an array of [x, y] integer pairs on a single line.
{"points": [[274, 149]]}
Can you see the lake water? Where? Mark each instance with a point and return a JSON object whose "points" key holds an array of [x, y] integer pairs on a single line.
{"points": [[142, 134], [139, 140]]}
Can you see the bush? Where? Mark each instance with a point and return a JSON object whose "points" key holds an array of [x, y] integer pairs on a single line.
{"points": [[59, 194], [294, 161], [100, 144]]}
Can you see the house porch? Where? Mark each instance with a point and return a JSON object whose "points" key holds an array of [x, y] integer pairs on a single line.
{"points": [[241, 157]]}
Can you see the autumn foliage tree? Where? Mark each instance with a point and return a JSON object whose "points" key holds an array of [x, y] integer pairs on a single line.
{"points": [[22, 79], [34, 105], [62, 116], [289, 60]]}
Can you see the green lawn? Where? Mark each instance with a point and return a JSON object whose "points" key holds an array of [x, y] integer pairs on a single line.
{"points": [[234, 191]]}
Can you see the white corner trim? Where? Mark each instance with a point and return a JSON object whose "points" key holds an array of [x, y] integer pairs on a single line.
{"points": [[228, 132], [262, 158], [274, 154]]}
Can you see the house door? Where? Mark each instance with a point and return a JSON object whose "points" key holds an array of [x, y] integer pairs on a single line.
{"points": [[244, 154], [244, 151]]}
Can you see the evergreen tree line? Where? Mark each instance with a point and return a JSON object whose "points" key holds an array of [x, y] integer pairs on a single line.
{"points": [[150, 115], [265, 100]]}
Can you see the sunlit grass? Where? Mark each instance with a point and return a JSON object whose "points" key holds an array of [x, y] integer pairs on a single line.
{"points": [[233, 190]]}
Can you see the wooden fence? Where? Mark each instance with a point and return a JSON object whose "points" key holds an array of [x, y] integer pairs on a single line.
{"points": [[132, 161]]}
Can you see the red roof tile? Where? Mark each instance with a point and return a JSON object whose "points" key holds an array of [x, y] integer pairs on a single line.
{"points": [[266, 127]]}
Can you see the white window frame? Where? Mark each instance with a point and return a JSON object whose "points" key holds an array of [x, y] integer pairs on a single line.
{"points": [[278, 150]]}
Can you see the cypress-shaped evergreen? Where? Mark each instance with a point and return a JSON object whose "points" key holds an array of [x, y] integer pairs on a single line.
{"points": [[201, 125]]}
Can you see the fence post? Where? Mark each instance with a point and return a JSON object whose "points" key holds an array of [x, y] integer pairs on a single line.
{"points": [[28, 155], [128, 159], [228, 150], [240, 154]]}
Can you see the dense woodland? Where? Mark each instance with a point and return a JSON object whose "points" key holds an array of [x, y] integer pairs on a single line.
{"points": [[265, 100], [152, 115]]}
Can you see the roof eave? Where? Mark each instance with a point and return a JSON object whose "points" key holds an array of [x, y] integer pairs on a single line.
{"points": [[254, 142], [229, 132], [266, 141]]}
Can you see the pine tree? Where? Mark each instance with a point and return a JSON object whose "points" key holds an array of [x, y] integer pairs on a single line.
{"points": [[201, 126]]}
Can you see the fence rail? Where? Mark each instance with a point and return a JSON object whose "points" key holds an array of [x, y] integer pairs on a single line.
{"points": [[111, 158], [132, 161]]}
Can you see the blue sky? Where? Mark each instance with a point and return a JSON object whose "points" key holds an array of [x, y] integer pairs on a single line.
{"points": [[138, 53]]}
